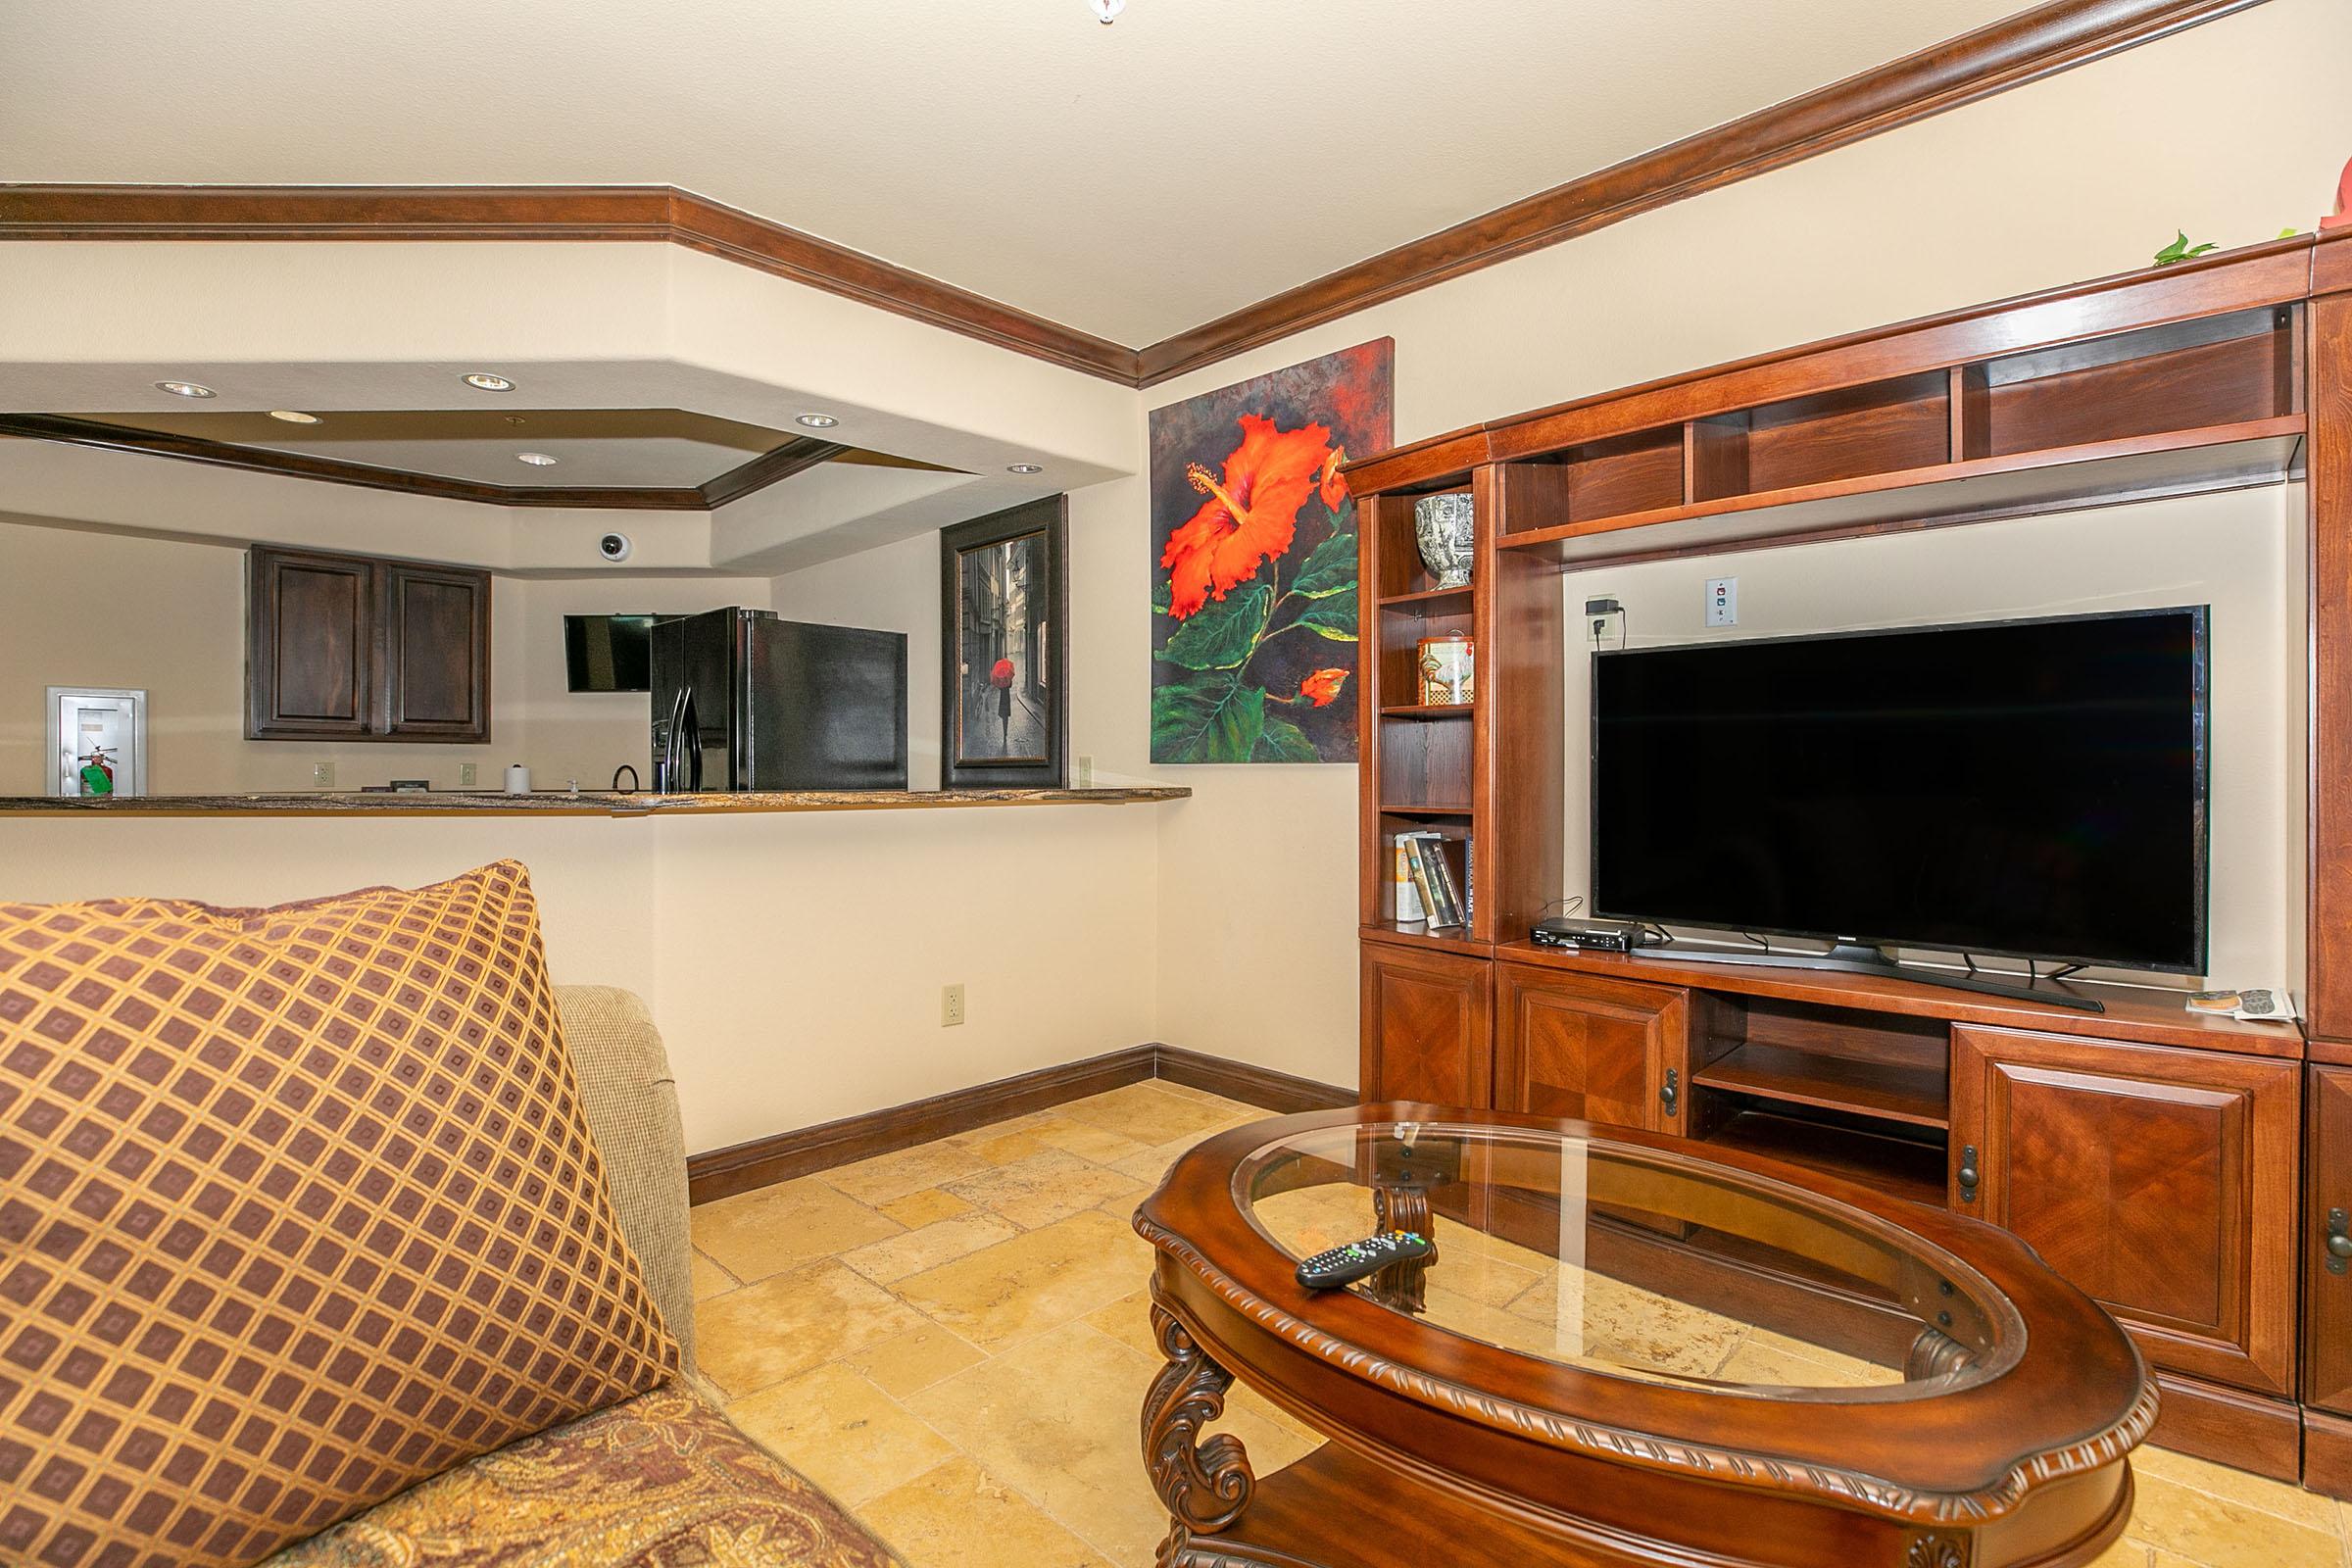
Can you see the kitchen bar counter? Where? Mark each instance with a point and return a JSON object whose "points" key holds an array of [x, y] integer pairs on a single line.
{"points": [[561, 803]]}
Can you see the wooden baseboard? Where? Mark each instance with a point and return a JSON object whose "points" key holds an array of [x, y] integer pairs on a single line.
{"points": [[764, 1162], [2327, 1453], [2228, 1426], [1252, 1086]]}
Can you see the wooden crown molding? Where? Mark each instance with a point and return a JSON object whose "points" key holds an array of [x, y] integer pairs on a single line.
{"points": [[2046, 39], [769, 467]]}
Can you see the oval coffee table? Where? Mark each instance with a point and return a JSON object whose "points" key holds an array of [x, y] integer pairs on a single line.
{"points": [[1622, 1353]]}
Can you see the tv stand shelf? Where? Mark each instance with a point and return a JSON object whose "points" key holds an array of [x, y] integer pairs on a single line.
{"points": [[2143, 1014], [1912, 1170], [1912, 1093]]}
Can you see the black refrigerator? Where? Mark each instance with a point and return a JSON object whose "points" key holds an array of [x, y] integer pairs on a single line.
{"points": [[745, 700]]}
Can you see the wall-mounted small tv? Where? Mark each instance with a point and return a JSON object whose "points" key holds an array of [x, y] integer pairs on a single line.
{"points": [[2032, 789], [608, 653]]}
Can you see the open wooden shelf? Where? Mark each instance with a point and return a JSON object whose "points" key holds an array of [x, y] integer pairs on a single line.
{"points": [[1429, 599], [1412, 711], [1426, 810], [2235, 456], [1891, 1091], [1417, 934], [1896, 1166]]}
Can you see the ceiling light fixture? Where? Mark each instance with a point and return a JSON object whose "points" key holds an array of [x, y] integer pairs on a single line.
{"points": [[1024, 467], [185, 389], [293, 416], [484, 382], [537, 460], [1107, 12], [815, 422]]}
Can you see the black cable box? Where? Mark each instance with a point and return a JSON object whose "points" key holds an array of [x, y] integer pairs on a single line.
{"points": [[1590, 936]]}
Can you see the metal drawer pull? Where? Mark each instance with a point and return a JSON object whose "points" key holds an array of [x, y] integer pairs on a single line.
{"points": [[1672, 1091], [1968, 1173], [2339, 1239]]}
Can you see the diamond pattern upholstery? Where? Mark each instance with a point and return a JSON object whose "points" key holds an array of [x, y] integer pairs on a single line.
{"points": [[297, 1206]]}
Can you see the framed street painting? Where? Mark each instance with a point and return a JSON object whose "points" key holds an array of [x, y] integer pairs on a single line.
{"points": [[1003, 598], [1254, 612]]}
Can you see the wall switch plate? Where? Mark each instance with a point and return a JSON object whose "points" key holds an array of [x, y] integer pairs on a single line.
{"points": [[1084, 777], [322, 775], [950, 1006], [1723, 600], [466, 775]]}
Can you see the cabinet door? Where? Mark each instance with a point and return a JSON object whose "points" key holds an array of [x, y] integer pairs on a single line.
{"points": [[2159, 1180], [2327, 1314], [1427, 1026], [1573, 1044], [309, 645], [435, 680]]}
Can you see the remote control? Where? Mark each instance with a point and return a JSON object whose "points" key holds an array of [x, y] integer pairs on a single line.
{"points": [[1345, 1264]]}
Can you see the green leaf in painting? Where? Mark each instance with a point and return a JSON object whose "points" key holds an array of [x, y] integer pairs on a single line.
{"points": [[1161, 594], [1329, 570], [1222, 634], [1282, 741], [1333, 617], [1206, 718]]}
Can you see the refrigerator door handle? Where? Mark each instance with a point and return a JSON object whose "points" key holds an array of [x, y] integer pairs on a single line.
{"points": [[686, 734]]}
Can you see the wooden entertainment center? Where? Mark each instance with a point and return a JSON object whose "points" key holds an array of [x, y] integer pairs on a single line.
{"points": [[2192, 1173]]}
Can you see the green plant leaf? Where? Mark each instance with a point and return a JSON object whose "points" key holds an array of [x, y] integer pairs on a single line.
{"points": [[1333, 617], [1161, 591], [1220, 634], [1282, 741], [1206, 718], [2181, 250], [1330, 569]]}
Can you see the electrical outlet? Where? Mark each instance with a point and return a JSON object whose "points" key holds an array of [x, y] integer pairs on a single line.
{"points": [[322, 775], [1723, 600], [466, 775], [950, 1006], [1085, 778]]}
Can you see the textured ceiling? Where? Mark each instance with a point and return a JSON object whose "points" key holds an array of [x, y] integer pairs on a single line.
{"points": [[1131, 180]]}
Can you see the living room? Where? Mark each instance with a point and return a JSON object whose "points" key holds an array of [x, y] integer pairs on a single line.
{"points": [[388, 399]]}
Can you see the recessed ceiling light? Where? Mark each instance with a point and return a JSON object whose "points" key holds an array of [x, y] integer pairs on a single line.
{"points": [[483, 382], [817, 421], [185, 389], [537, 460], [293, 416], [1024, 467]]}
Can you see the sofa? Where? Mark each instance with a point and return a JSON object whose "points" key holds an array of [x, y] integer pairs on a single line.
{"points": [[658, 1481]]}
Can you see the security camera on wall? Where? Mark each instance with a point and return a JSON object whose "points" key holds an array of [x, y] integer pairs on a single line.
{"points": [[613, 547]]}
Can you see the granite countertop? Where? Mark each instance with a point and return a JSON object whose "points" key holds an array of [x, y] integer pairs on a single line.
{"points": [[561, 803]]}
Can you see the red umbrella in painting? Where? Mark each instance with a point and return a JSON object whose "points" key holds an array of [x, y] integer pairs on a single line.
{"points": [[999, 676]]}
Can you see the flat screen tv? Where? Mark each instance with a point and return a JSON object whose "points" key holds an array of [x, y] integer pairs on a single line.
{"points": [[2032, 789], [608, 653]]}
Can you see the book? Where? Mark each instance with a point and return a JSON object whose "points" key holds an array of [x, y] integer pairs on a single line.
{"points": [[1409, 909], [1434, 877], [1453, 866]]}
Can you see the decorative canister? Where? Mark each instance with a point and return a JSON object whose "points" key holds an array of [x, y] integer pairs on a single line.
{"points": [[1447, 676], [1442, 527]]}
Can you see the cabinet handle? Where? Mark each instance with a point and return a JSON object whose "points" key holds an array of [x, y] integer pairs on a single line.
{"points": [[2339, 1241], [1670, 1094], [1968, 1173]]}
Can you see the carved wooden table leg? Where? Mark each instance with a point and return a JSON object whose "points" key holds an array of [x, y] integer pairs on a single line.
{"points": [[1401, 1286], [1204, 1486]]}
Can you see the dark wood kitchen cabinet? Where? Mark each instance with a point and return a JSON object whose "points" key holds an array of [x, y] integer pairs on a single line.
{"points": [[1427, 1016], [1600, 1051], [358, 648]]}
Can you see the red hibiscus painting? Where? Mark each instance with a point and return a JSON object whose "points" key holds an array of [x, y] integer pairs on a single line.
{"points": [[1254, 539]]}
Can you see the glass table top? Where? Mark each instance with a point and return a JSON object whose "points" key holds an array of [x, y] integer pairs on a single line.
{"points": [[1638, 1263]]}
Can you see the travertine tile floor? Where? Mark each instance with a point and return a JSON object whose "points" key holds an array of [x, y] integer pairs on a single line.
{"points": [[954, 1340]]}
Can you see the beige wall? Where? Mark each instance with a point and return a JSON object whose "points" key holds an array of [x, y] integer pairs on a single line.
{"points": [[2079, 175], [86, 608], [794, 961]]}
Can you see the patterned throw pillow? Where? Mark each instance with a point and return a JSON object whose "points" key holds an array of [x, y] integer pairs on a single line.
{"points": [[297, 1207]]}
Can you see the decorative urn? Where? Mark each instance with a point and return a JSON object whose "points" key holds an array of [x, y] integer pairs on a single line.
{"points": [[1443, 528]]}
